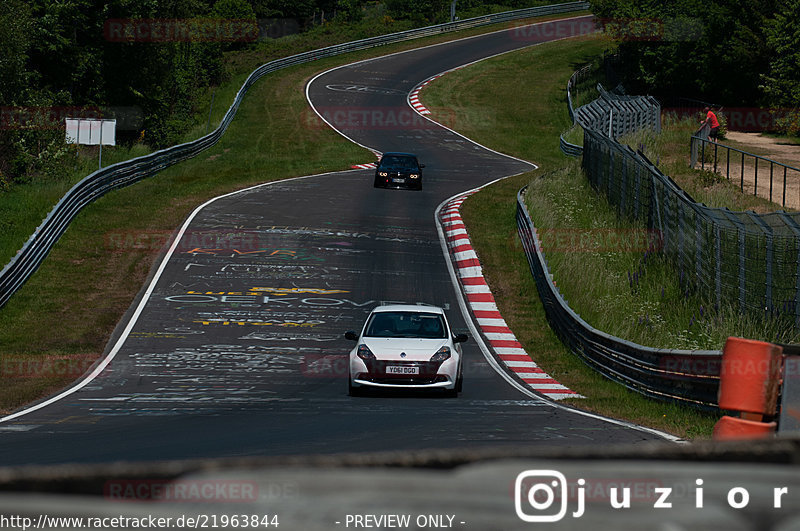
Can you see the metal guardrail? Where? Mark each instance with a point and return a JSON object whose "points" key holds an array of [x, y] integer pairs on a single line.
{"points": [[567, 148], [615, 115], [753, 259], [698, 151], [612, 114], [744, 257], [730, 257], [35, 250], [686, 376]]}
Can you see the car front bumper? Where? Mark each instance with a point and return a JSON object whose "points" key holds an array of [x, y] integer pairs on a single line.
{"points": [[394, 180], [430, 375]]}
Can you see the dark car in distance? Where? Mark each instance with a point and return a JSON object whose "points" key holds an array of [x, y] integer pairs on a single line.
{"points": [[399, 170]]}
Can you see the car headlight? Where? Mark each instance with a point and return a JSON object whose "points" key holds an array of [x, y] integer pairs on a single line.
{"points": [[365, 353], [383, 174], [414, 176], [441, 354]]}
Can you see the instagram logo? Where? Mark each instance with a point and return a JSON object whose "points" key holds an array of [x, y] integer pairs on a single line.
{"points": [[544, 493]]}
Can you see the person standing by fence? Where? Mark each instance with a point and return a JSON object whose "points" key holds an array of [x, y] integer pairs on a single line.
{"points": [[713, 123]]}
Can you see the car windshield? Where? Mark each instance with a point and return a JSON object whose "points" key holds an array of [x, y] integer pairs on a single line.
{"points": [[397, 161], [407, 324]]}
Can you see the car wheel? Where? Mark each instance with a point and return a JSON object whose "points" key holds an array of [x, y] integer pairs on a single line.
{"points": [[459, 383], [452, 393]]}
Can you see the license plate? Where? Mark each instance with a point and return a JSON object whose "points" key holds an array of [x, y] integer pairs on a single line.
{"points": [[398, 180], [401, 369]]}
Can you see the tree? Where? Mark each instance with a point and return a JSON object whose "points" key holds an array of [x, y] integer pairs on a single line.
{"points": [[782, 83], [420, 11], [16, 35], [709, 49]]}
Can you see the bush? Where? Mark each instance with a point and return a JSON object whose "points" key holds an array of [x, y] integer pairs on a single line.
{"points": [[789, 124]]}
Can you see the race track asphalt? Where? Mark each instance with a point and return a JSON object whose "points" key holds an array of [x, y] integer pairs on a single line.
{"points": [[238, 350]]}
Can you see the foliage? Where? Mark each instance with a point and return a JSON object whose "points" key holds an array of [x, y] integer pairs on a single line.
{"points": [[782, 82], [421, 11], [710, 49], [69, 58]]}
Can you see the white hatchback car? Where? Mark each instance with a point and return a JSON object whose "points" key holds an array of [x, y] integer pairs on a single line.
{"points": [[406, 346]]}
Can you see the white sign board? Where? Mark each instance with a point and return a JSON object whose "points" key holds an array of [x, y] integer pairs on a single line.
{"points": [[91, 132]]}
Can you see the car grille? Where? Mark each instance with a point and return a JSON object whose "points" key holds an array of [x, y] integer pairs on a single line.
{"points": [[427, 369]]}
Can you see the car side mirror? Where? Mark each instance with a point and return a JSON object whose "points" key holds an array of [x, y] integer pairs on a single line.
{"points": [[352, 336], [460, 338]]}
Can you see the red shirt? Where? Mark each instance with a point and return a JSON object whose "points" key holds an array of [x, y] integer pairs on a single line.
{"points": [[712, 118]]}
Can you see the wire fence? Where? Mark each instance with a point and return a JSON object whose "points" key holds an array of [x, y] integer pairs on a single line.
{"points": [[687, 376], [568, 148], [778, 182], [611, 113], [35, 250], [618, 114], [744, 258], [747, 259]]}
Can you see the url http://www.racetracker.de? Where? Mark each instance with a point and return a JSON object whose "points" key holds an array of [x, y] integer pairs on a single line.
{"points": [[196, 521]]}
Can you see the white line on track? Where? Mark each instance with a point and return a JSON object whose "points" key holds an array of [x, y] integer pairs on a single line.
{"points": [[454, 276], [101, 366]]}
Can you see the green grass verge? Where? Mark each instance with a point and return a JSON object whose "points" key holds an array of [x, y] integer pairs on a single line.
{"points": [[535, 81], [630, 294], [61, 320], [670, 149], [23, 206]]}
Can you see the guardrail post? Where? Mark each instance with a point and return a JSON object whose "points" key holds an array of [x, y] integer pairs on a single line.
{"points": [[783, 204], [742, 168], [795, 228], [624, 186], [771, 165], [663, 213], [703, 155], [767, 230], [717, 220], [717, 266], [637, 184], [740, 230], [716, 147], [728, 164], [755, 186], [699, 241], [680, 223]]}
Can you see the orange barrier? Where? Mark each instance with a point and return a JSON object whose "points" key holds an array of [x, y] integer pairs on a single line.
{"points": [[730, 428], [749, 383]]}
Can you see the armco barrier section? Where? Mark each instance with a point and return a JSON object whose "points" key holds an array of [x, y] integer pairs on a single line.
{"points": [[567, 148], [616, 115], [30, 257], [685, 376]]}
